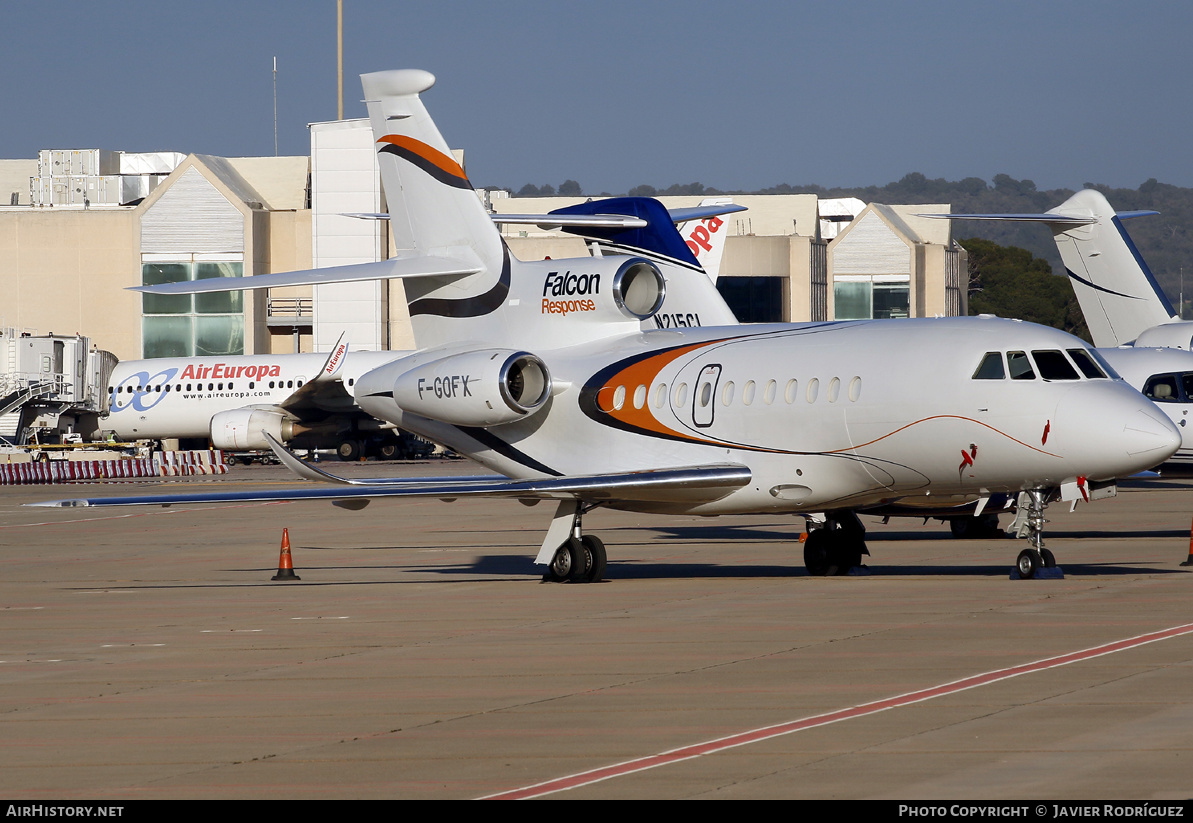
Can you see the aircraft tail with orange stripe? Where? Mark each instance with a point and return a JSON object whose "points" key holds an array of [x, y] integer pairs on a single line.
{"points": [[432, 207]]}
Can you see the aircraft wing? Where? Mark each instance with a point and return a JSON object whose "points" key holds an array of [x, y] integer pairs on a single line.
{"points": [[688, 483], [393, 268]]}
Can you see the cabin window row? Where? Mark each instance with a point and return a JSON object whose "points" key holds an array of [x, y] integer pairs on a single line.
{"points": [[273, 384], [728, 393]]}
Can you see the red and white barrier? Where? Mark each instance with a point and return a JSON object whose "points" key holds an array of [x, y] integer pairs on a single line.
{"points": [[166, 464]]}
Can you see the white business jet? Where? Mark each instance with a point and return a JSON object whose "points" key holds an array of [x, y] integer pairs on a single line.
{"points": [[305, 400], [541, 371], [1129, 317]]}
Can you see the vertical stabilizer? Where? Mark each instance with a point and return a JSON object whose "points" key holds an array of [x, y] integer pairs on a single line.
{"points": [[432, 206], [1118, 294]]}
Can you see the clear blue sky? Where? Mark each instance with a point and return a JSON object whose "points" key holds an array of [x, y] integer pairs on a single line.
{"points": [[615, 93]]}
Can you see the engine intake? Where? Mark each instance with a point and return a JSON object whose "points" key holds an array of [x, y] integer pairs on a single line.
{"points": [[243, 429], [480, 388], [639, 288]]}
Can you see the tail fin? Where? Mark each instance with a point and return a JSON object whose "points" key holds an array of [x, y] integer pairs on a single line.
{"points": [[1118, 294], [706, 236], [432, 206]]}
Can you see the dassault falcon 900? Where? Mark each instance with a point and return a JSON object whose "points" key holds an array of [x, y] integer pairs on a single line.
{"points": [[542, 371]]}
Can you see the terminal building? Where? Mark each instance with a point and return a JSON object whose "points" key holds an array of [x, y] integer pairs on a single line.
{"points": [[80, 227]]}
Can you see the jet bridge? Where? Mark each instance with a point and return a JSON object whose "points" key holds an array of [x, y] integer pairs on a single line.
{"points": [[51, 386]]}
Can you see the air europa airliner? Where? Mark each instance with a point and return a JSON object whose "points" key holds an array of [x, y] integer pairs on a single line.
{"points": [[302, 399]]}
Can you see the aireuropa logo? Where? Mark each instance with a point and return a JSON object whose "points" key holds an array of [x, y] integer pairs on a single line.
{"points": [[133, 392]]}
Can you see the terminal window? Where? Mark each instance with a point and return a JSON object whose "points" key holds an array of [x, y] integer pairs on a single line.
{"points": [[187, 325], [860, 298]]}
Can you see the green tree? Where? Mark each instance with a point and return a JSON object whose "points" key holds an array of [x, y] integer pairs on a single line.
{"points": [[1011, 282], [570, 188]]}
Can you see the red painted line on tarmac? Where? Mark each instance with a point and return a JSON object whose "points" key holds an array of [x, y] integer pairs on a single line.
{"points": [[767, 732]]}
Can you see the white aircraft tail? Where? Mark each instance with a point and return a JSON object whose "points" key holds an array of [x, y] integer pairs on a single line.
{"points": [[1118, 294], [706, 237], [433, 209]]}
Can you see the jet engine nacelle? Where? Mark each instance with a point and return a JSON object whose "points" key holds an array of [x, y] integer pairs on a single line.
{"points": [[478, 388], [1176, 335], [244, 429]]}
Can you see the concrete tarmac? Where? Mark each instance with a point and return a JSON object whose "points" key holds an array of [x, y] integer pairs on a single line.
{"points": [[145, 653]]}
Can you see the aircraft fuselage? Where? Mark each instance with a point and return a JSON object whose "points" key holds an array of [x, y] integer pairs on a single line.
{"points": [[826, 416]]}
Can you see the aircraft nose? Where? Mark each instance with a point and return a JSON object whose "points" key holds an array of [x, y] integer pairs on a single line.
{"points": [[1122, 432], [1149, 433]]}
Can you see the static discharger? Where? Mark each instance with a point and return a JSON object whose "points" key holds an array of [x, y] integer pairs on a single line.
{"points": [[285, 563]]}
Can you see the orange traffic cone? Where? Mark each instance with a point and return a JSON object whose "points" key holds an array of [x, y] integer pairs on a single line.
{"points": [[285, 564], [1189, 559]]}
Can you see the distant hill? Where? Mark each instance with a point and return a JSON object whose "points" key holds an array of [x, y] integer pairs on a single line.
{"points": [[1166, 241]]}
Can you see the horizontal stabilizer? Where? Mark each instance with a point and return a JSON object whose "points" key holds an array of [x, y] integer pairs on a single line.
{"points": [[1057, 219], [703, 212], [552, 221], [395, 267]]}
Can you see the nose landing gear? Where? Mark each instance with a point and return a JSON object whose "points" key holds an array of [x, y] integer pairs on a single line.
{"points": [[1036, 561]]}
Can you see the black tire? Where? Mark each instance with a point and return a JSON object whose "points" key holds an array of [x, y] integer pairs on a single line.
{"points": [[596, 560], [388, 451], [1049, 559], [847, 552], [982, 527], [1028, 563], [348, 450], [816, 553], [568, 564]]}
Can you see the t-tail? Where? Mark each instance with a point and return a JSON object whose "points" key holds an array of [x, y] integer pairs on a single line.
{"points": [[1119, 296]]}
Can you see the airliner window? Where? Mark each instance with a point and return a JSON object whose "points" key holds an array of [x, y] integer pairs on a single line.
{"points": [[1162, 388], [1054, 365], [252, 384], [990, 367], [1020, 366], [1087, 364]]}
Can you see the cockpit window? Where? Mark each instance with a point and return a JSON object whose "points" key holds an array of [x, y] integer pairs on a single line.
{"points": [[1020, 366], [1086, 363], [1187, 383], [1162, 388], [990, 367], [1054, 365]]}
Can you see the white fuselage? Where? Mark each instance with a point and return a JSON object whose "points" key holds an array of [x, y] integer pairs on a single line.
{"points": [[178, 396], [1165, 376], [826, 416]]}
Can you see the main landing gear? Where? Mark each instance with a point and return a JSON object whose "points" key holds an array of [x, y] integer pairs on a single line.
{"points": [[836, 546], [1035, 561], [579, 559]]}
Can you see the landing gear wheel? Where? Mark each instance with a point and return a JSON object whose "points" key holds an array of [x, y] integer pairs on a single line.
{"points": [[1049, 559], [388, 451], [816, 553], [1029, 562], [348, 450], [568, 564], [982, 527], [595, 559]]}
